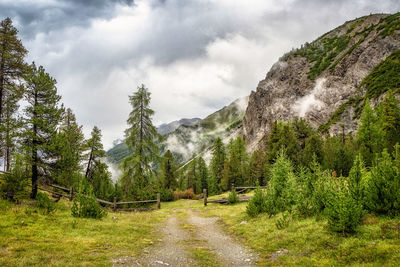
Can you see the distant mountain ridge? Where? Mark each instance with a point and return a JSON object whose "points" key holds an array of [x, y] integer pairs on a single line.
{"points": [[167, 128], [194, 136]]}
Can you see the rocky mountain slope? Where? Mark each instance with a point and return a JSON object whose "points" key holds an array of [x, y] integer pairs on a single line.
{"points": [[167, 128], [327, 81], [196, 138]]}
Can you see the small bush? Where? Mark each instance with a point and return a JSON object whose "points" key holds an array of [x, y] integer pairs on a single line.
{"points": [[166, 194], [343, 212], [187, 194], [256, 204], [16, 180], [42, 201], [284, 221], [233, 197], [85, 203]]}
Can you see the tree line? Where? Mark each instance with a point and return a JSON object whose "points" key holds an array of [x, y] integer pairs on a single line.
{"points": [[42, 140]]}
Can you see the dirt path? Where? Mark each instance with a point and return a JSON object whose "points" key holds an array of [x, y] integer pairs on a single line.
{"points": [[184, 236], [227, 249]]}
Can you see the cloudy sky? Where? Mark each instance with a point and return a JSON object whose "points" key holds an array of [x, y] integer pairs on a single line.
{"points": [[195, 56]]}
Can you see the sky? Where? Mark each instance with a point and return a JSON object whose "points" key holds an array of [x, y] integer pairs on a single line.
{"points": [[195, 56]]}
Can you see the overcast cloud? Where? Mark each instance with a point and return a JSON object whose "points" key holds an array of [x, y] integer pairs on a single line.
{"points": [[195, 56]]}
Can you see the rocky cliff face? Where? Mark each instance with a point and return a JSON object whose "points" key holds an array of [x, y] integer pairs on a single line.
{"points": [[323, 81]]}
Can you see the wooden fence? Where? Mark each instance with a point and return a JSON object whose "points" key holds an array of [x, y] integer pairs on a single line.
{"points": [[70, 196]]}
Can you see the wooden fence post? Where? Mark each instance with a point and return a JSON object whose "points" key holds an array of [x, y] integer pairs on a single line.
{"points": [[115, 204], [205, 196], [233, 187], [71, 193], [158, 201]]}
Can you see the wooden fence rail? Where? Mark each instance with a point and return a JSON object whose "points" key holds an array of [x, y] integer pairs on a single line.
{"points": [[71, 194]]}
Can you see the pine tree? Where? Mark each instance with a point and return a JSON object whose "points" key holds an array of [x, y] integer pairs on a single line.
{"points": [[256, 169], [42, 118], [12, 69], [168, 171], [95, 152], [313, 150], [202, 176], [390, 120], [97, 173], [69, 144], [236, 166], [369, 135], [140, 138], [217, 162]]}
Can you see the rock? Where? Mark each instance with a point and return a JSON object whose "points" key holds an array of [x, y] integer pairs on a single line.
{"points": [[279, 253], [287, 92], [243, 222]]}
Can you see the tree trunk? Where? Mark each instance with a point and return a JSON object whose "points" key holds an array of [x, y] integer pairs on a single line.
{"points": [[34, 174]]}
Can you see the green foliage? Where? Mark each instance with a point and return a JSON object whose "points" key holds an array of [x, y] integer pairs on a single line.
{"points": [[382, 192], [383, 77], [281, 193], [339, 153], [306, 181], [166, 194], [236, 166], [283, 222], [217, 163], [389, 115], [343, 211], [369, 134], [233, 197], [42, 117], [16, 180], [257, 167], [141, 137], [43, 201], [85, 204], [390, 25], [322, 52], [256, 204], [168, 171]]}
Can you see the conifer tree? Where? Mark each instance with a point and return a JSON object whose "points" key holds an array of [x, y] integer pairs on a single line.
{"points": [[69, 144], [202, 176], [390, 120], [140, 138], [256, 169], [12, 69], [97, 173], [369, 135], [42, 118], [217, 162], [168, 171], [236, 166]]}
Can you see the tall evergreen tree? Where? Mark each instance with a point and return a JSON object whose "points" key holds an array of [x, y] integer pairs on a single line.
{"points": [[140, 138], [69, 144], [256, 169], [12, 69], [42, 118], [201, 176], [217, 162], [369, 135], [236, 166], [390, 120], [168, 171]]}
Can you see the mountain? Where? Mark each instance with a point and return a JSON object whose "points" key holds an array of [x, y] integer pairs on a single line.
{"points": [[167, 128], [194, 137], [328, 80]]}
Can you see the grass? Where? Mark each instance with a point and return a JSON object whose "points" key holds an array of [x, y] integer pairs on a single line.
{"points": [[29, 237], [309, 241]]}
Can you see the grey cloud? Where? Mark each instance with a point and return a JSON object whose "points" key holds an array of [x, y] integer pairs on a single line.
{"points": [[34, 18]]}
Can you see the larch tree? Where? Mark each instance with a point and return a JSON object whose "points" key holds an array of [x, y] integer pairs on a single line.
{"points": [[95, 152], [141, 137], [42, 116], [12, 69]]}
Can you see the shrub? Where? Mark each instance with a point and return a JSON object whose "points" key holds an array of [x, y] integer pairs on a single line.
{"points": [[281, 193], [382, 194], [187, 194], [85, 203], [15, 181], [42, 201], [166, 194], [233, 197], [284, 221], [256, 204], [343, 212]]}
